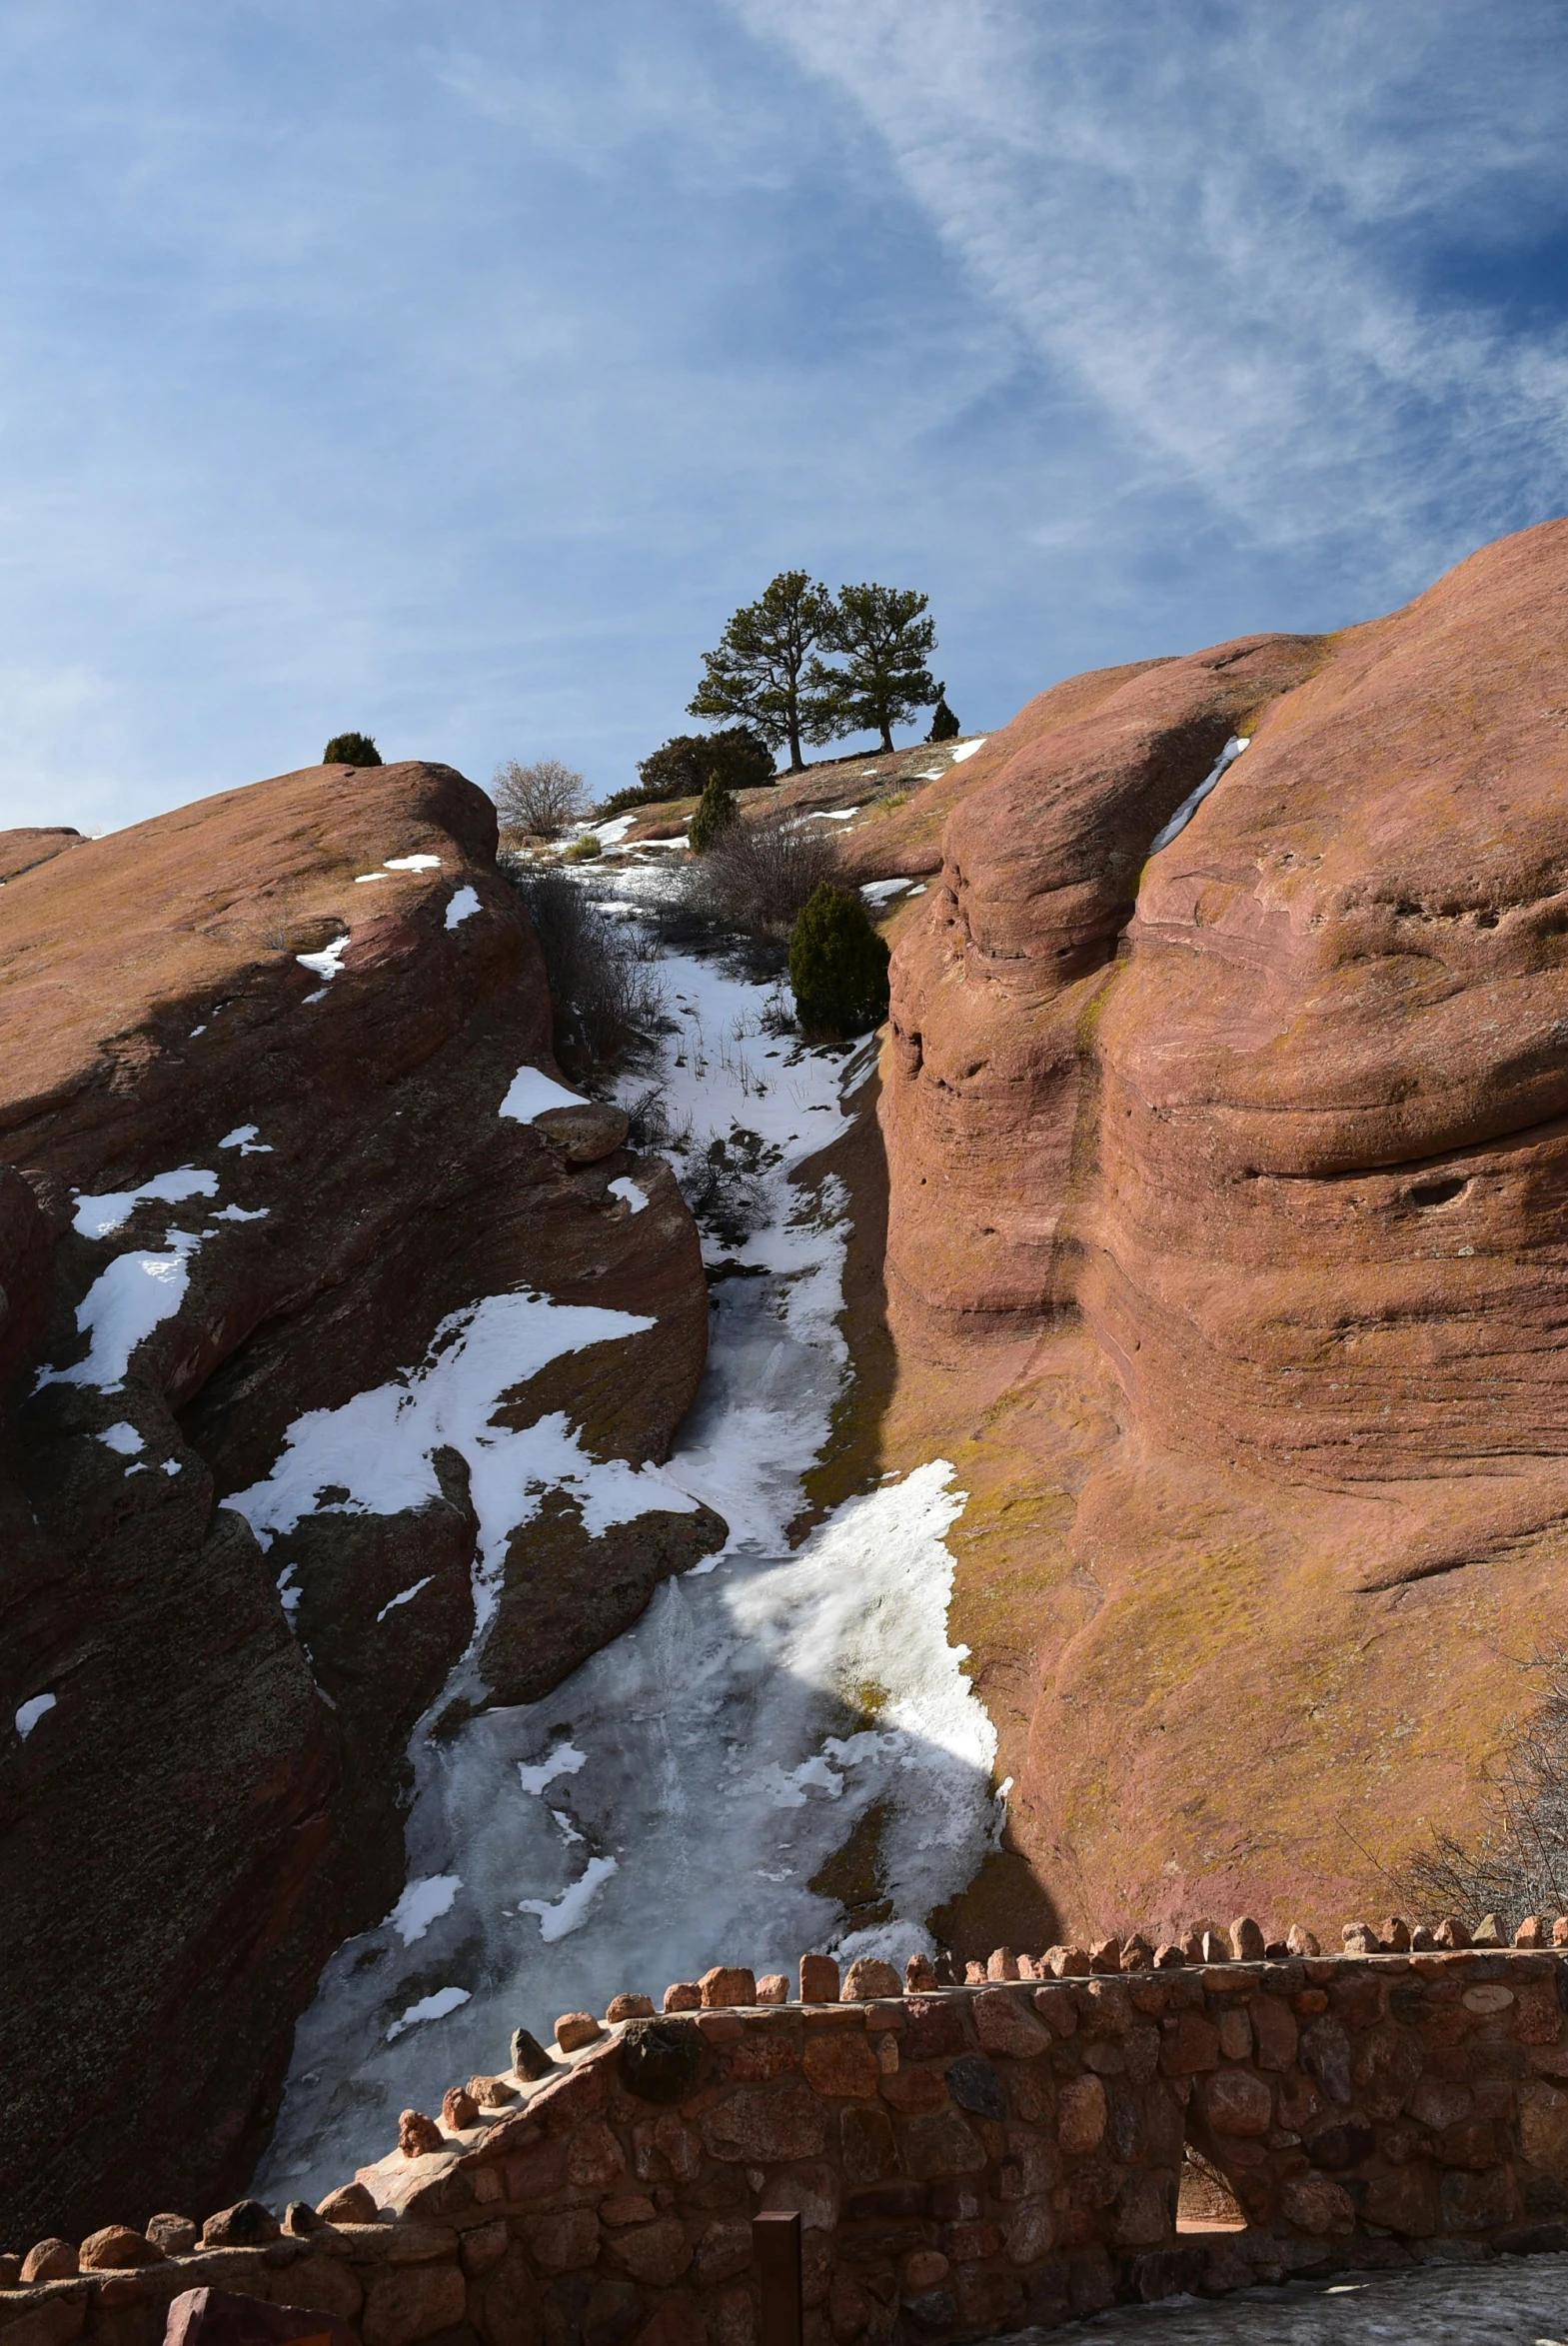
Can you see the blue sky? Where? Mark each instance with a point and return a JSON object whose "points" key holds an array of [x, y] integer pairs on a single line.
{"points": [[452, 371]]}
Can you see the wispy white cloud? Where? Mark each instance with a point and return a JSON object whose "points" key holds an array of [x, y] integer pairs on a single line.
{"points": [[454, 372], [1217, 221]]}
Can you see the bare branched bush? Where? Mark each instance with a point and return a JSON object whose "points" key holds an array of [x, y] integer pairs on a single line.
{"points": [[538, 800], [605, 995], [1519, 1863], [756, 876], [724, 1188]]}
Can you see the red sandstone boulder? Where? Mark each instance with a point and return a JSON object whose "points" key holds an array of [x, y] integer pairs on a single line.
{"points": [[418, 2135], [49, 2260], [351, 2203], [819, 1980], [1224, 1220], [575, 2029], [352, 1186], [175, 2235], [245, 2225], [223, 2317], [868, 1979], [116, 2248], [727, 1983], [22, 851]]}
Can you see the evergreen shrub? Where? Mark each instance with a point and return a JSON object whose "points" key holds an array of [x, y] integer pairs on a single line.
{"points": [[837, 965], [715, 813], [351, 749]]}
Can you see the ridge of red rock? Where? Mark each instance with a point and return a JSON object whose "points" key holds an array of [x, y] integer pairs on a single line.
{"points": [[210, 1803], [1224, 1240], [21, 851]]}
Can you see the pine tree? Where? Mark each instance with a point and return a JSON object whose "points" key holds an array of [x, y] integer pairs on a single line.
{"points": [[944, 726], [716, 811], [837, 965], [886, 641], [763, 672]]}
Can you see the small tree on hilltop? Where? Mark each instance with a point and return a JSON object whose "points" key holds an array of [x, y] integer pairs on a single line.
{"points": [[716, 811], [944, 726], [540, 799], [837, 965], [885, 640], [683, 763], [351, 749], [763, 671]]}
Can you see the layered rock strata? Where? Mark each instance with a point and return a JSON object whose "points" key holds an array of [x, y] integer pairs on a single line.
{"points": [[278, 1228], [1225, 1238], [962, 2161]]}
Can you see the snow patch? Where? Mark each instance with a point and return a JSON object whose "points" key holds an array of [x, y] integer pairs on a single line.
{"points": [[879, 891], [360, 877], [326, 963], [611, 834], [122, 1439], [32, 1711], [97, 1217], [378, 1444], [1195, 799], [243, 1138], [403, 1596], [422, 1903], [241, 1214], [436, 2008], [532, 1092], [559, 1917], [412, 864], [122, 1307], [565, 1760], [967, 749], [628, 1190], [463, 907]]}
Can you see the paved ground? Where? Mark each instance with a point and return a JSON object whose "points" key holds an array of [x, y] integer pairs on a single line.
{"points": [[1512, 2301]]}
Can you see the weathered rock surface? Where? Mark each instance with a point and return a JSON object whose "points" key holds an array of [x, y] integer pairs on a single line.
{"points": [[210, 1801], [21, 849], [1225, 1241]]}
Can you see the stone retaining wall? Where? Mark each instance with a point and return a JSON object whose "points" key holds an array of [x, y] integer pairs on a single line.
{"points": [[964, 2159]]}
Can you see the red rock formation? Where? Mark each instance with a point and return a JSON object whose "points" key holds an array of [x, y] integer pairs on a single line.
{"points": [[191, 1827], [21, 851], [1229, 1181]]}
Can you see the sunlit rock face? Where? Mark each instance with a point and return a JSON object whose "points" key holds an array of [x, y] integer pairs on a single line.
{"points": [[336, 1385], [1259, 1137]]}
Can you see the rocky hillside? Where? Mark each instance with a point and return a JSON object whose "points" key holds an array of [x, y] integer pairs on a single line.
{"points": [[1226, 1250], [295, 1216]]}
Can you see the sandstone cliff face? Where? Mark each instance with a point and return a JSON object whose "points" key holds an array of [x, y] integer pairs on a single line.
{"points": [[1226, 1234], [282, 1231]]}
